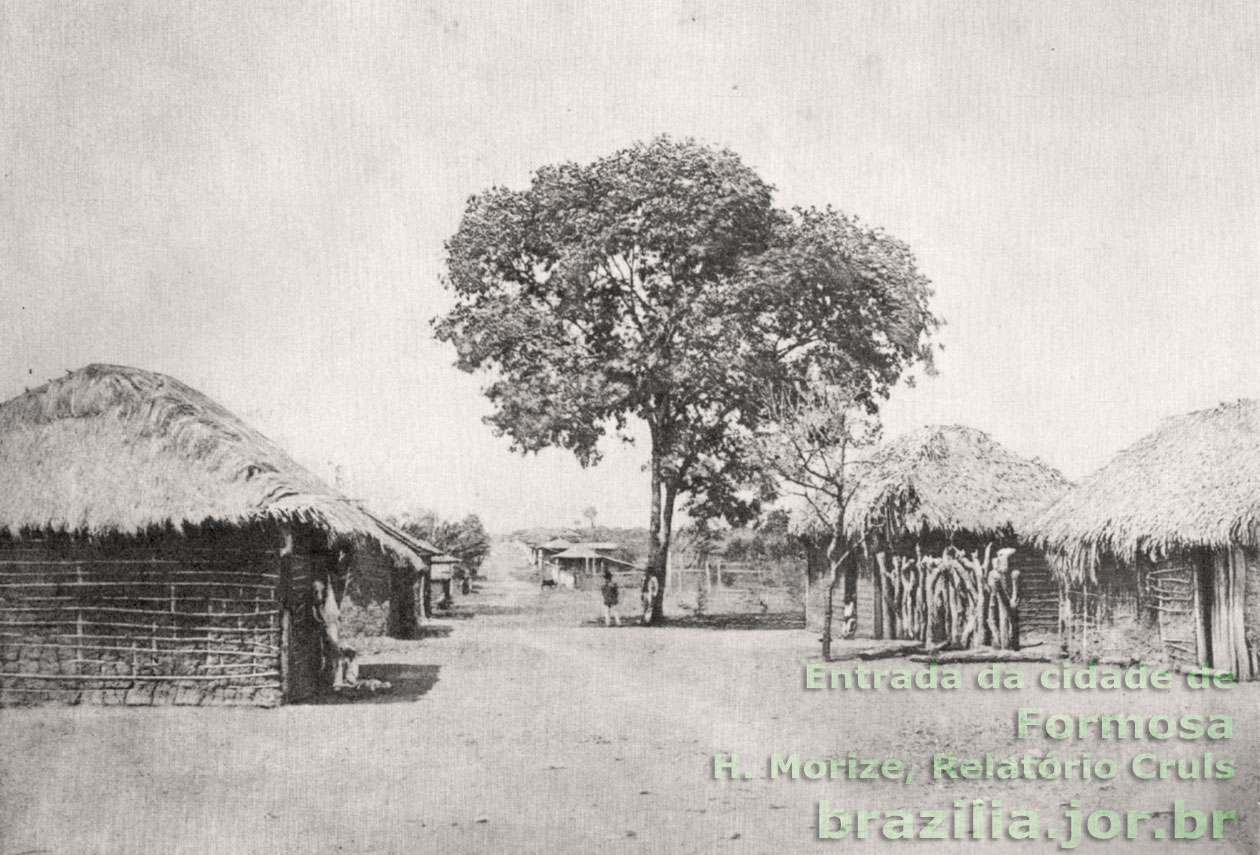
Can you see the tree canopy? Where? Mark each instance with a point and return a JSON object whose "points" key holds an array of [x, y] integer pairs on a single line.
{"points": [[661, 283], [466, 539]]}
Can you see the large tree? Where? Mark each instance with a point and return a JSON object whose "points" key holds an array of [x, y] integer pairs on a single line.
{"points": [[661, 283]]}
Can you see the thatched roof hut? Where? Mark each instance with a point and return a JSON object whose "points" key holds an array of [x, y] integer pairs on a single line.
{"points": [[940, 486], [952, 479], [114, 449], [1165, 538], [156, 549], [932, 488], [1194, 482]]}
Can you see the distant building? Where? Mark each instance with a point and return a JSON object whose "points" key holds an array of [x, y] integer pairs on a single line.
{"points": [[443, 569], [582, 562], [541, 553]]}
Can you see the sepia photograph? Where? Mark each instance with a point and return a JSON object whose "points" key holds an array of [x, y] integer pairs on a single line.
{"points": [[670, 427]]}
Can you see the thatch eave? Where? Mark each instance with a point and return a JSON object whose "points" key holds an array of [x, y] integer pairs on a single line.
{"points": [[114, 450], [948, 480], [1193, 483]]}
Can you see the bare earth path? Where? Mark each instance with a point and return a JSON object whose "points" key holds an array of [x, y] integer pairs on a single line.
{"points": [[520, 728]]}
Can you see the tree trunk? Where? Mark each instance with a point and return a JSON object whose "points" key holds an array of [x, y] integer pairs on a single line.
{"points": [[667, 534], [877, 596], [1014, 615], [656, 560], [836, 576], [888, 596], [807, 592], [660, 531], [828, 611], [850, 599]]}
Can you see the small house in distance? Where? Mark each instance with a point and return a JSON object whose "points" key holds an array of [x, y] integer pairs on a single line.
{"points": [[949, 500], [442, 570], [155, 549], [1159, 550], [543, 552], [586, 561]]}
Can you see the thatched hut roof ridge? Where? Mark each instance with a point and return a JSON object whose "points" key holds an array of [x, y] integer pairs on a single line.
{"points": [[950, 479], [113, 449], [1193, 482]]}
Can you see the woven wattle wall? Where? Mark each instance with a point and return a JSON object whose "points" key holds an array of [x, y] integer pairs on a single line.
{"points": [[178, 622]]}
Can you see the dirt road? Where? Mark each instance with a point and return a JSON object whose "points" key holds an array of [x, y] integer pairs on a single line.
{"points": [[521, 727]]}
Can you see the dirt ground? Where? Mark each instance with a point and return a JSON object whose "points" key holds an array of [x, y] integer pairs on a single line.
{"points": [[521, 726]]}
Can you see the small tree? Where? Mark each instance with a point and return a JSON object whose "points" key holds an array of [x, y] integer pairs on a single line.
{"points": [[808, 445], [590, 512]]}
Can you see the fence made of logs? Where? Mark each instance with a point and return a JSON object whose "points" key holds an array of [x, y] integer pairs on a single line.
{"points": [[959, 600]]}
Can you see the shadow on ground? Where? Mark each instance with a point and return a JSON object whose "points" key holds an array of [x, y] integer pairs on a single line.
{"points": [[407, 683], [502, 611], [456, 613], [773, 620], [433, 630]]}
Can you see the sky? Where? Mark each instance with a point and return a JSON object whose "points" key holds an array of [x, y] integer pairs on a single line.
{"points": [[253, 197]]}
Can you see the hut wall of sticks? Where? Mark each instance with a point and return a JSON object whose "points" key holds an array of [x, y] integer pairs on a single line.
{"points": [[936, 517], [146, 619], [154, 549], [1158, 552], [1136, 612]]}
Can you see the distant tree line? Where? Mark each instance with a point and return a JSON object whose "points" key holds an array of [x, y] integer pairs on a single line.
{"points": [[466, 539]]}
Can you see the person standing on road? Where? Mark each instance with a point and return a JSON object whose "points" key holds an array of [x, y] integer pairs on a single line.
{"points": [[611, 594]]}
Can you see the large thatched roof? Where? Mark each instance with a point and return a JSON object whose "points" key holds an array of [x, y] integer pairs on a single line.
{"points": [[108, 448], [1195, 481], [949, 479]]}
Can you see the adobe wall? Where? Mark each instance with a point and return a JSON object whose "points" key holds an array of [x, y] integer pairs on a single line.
{"points": [[147, 620]]}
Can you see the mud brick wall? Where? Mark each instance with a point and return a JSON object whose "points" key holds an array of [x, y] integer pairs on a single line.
{"points": [[145, 621], [1110, 622], [380, 598], [372, 620]]}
